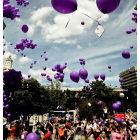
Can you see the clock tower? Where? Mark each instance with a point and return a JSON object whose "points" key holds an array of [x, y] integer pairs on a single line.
{"points": [[8, 64]]}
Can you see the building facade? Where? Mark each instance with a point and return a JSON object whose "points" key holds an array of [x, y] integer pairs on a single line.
{"points": [[8, 64], [129, 79]]}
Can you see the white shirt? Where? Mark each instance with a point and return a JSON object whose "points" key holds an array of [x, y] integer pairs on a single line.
{"points": [[88, 126], [105, 110], [34, 122], [94, 126], [67, 116]]}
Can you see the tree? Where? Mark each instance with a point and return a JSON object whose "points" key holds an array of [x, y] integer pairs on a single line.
{"points": [[33, 97]]}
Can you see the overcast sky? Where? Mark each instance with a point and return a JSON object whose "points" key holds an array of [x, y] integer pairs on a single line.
{"points": [[47, 30]]}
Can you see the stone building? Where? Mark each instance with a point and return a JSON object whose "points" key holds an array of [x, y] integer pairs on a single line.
{"points": [[8, 64]]}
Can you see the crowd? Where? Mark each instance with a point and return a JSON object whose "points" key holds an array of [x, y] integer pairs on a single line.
{"points": [[78, 129]]}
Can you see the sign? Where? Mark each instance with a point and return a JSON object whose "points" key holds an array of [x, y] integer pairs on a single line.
{"points": [[99, 30], [121, 116]]}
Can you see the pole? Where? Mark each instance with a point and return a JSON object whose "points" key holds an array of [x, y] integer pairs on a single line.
{"points": [[123, 109]]}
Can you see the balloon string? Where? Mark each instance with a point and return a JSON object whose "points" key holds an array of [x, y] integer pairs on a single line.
{"points": [[89, 17], [69, 20]]}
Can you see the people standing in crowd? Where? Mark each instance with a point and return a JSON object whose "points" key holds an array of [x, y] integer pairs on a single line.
{"points": [[13, 131], [69, 135], [105, 112], [34, 123], [5, 131], [68, 116], [47, 136], [61, 133], [24, 133], [130, 112], [38, 130]]}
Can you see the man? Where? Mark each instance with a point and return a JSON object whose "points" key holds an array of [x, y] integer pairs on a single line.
{"points": [[105, 112], [34, 123], [67, 116], [94, 125], [69, 135], [130, 112], [61, 133]]}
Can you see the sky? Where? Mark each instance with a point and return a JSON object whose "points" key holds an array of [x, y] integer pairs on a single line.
{"points": [[47, 30]]}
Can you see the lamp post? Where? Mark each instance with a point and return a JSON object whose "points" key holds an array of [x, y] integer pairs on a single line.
{"points": [[122, 96]]}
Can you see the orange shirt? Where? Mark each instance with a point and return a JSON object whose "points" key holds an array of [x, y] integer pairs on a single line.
{"points": [[13, 131], [60, 132]]}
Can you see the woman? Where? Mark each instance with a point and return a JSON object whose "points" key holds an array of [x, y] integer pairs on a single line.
{"points": [[78, 134], [88, 126], [13, 131], [133, 134], [90, 134], [99, 137], [24, 134], [47, 136], [38, 131]]}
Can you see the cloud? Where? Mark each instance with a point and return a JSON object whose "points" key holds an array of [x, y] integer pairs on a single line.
{"points": [[57, 32], [31, 30], [37, 74], [79, 47], [113, 78], [64, 84], [18, 19], [24, 60], [56, 48], [40, 13]]}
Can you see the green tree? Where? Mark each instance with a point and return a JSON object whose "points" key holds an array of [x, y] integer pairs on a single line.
{"points": [[34, 98]]}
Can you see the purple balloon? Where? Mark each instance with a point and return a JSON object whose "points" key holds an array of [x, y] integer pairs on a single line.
{"points": [[81, 63], [56, 76], [26, 3], [41, 55], [118, 120], [119, 103], [25, 28], [44, 52], [107, 6], [28, 79], [115, 107], [31, 63], [130, 71], [24, 55], [131, 47], [61, 75], [128, 31], [83, 23], [134, 18], [133, 30], [65, 63], [32, 136], [102, 124], [109, 67], [34, 62], [89, 87], [96, 76], [60, 107], [19, 45], [29, 76], [74, 76], [53, 69], [44, 68], [9, 115], [102, 121], [126, 54], [83, 73], [31, 66], [135, 14], [86, 80], [64, 6], [102, 76], [120, 80]]}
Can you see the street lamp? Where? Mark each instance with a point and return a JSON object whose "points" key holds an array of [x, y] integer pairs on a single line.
{"points": [[122, 96]]}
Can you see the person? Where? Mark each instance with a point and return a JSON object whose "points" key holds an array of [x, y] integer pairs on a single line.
{"points": [[13, 131], [90, 134], [78, 133], [45, 127], [67, 116], [94, 125], [24, 134], [5, 131], [69, 135], [99, 136], [61, 133], [130, 112], [34, 123], [47, 136], [38, 130], [105, 112], [133, 134], [88, 126]]}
